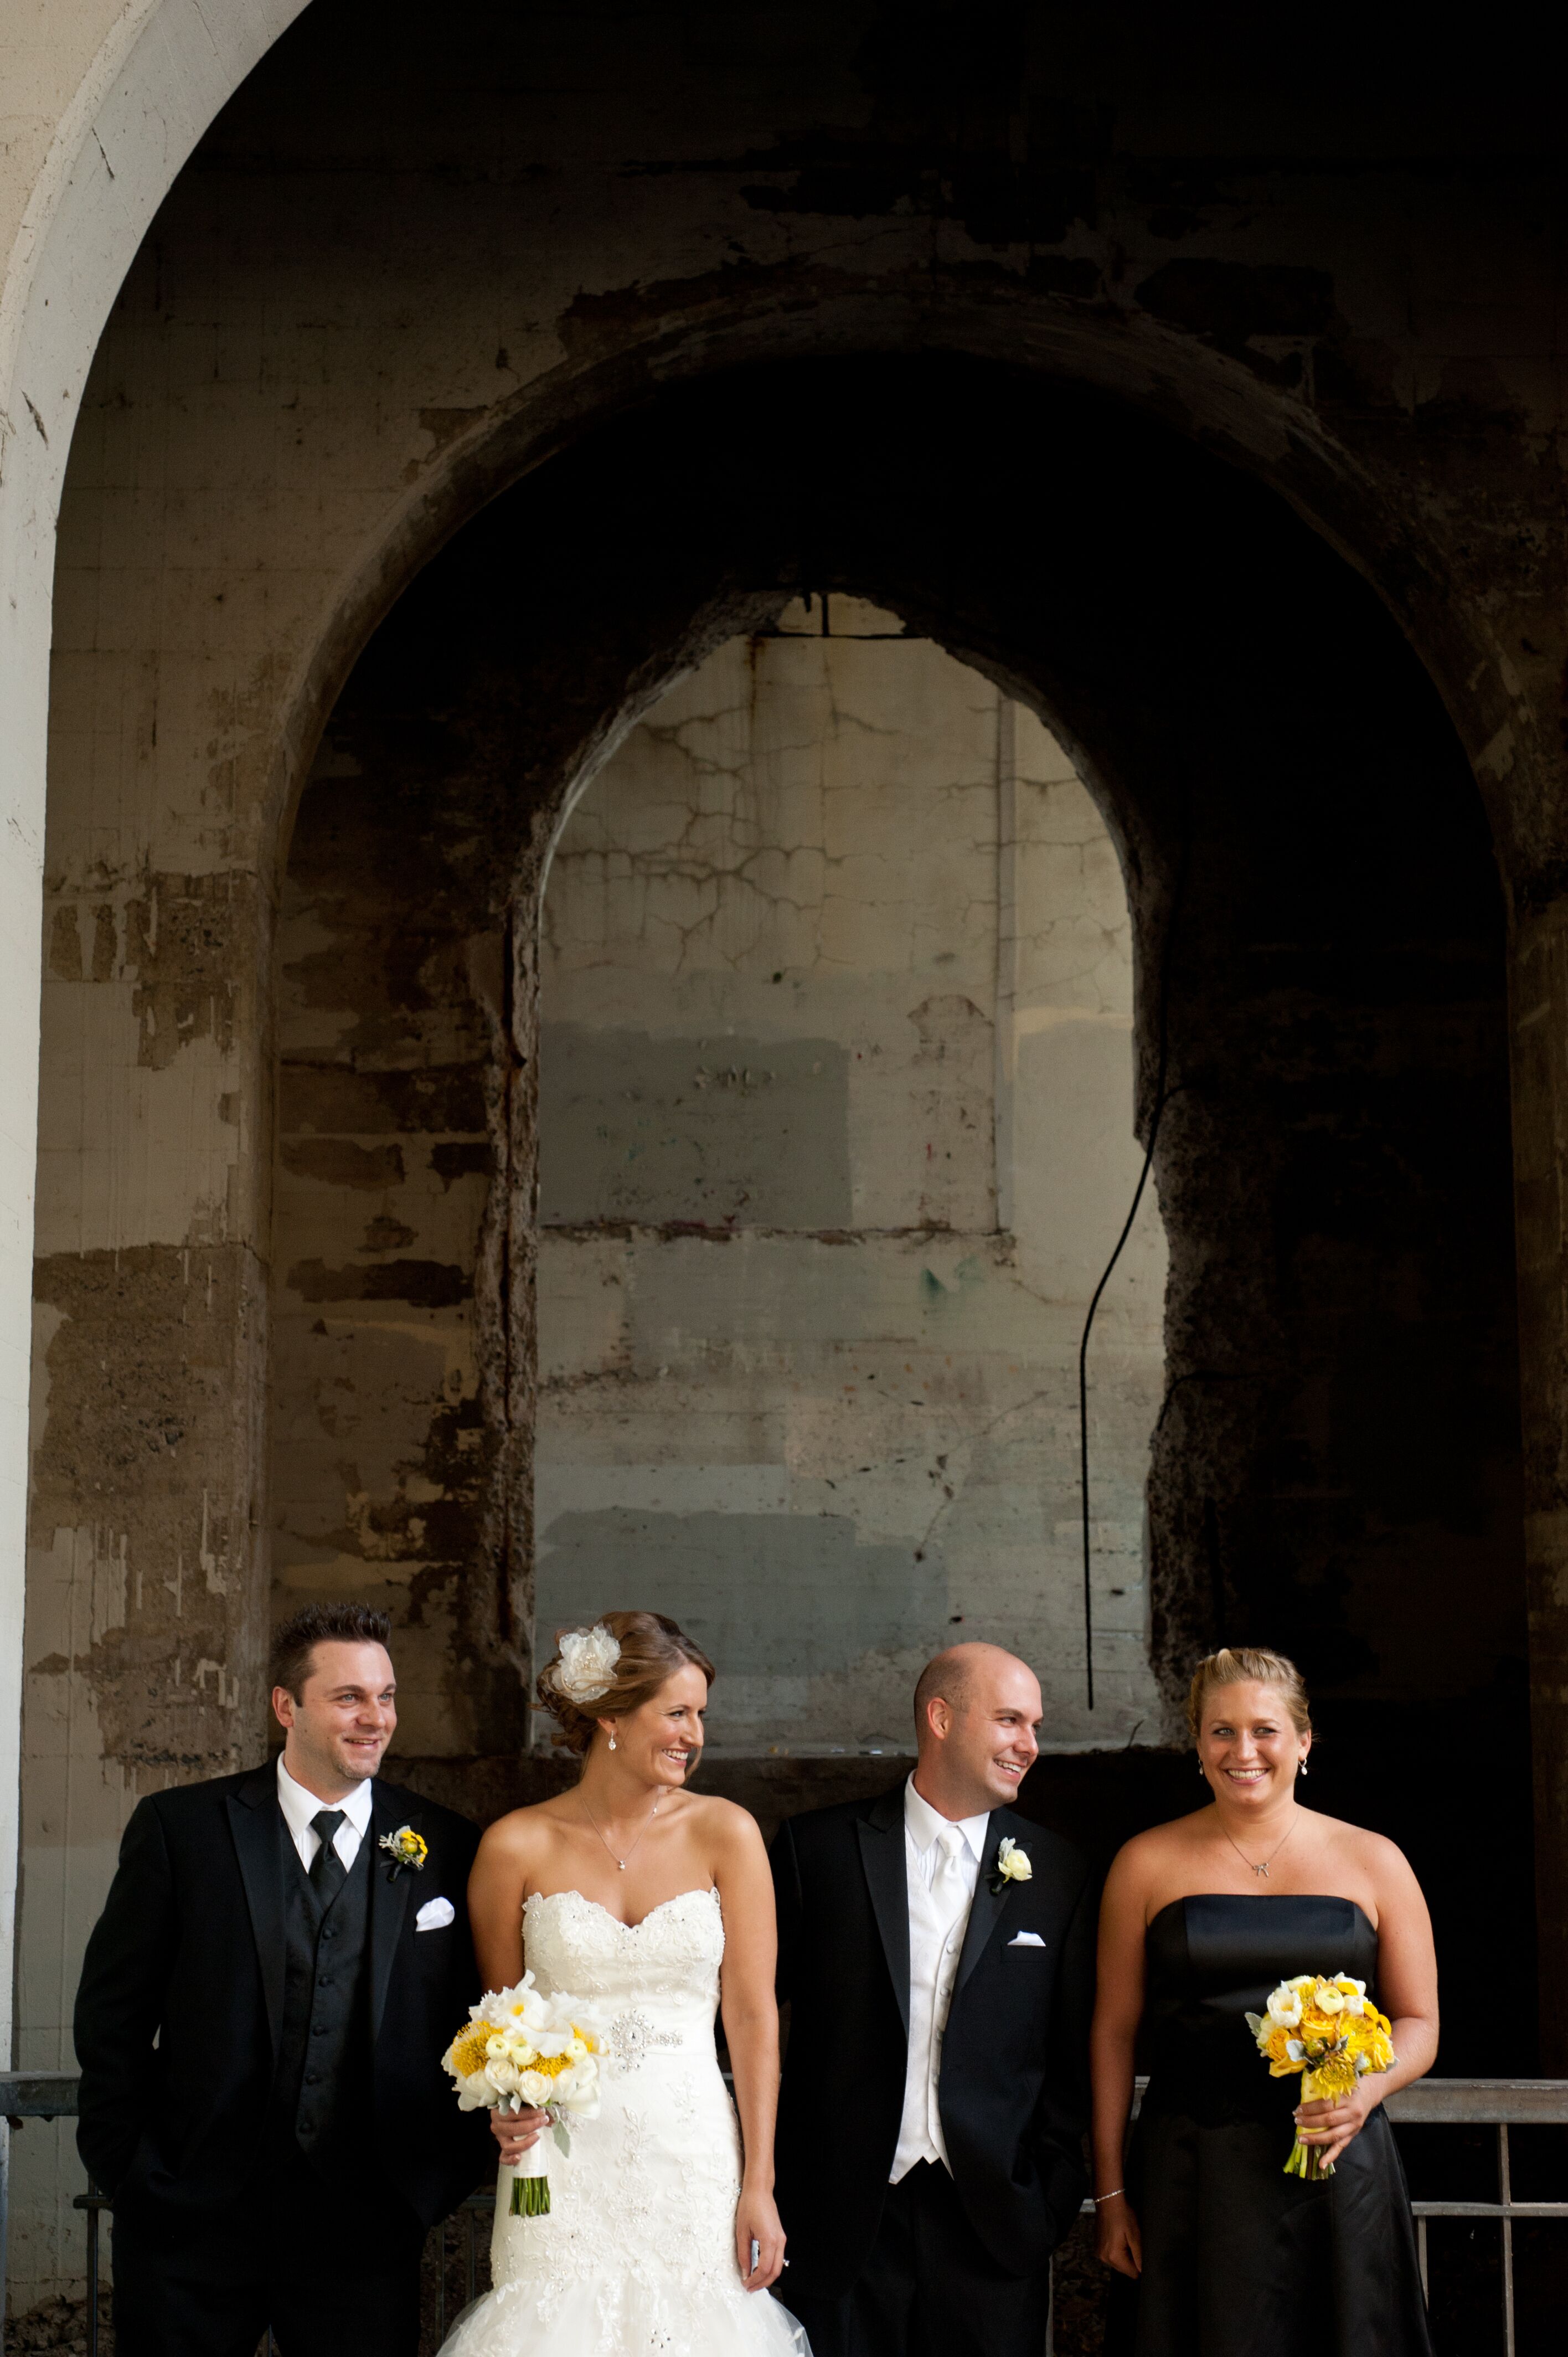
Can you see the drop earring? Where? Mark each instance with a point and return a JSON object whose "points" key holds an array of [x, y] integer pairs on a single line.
{"points": [[612, 1738], [1304, 1767]]}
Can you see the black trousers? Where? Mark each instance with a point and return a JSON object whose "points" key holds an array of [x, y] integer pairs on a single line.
{"points": [[332, 2266], [929, 2288]]}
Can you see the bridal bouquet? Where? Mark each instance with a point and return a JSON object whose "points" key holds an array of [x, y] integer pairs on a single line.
{"points": [[1331, 2033], [523, 2050]]}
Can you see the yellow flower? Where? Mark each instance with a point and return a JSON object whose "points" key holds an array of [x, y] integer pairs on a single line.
{"points": [[405, 1847], [1333, 2077], [550, 2066], [466, 2056]]}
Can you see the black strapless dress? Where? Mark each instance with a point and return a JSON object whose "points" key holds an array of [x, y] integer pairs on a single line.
{"points": [[1239, 2259]]}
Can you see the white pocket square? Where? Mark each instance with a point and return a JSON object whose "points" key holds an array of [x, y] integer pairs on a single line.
{"points": [[435, 1915], [1026, 1940]]}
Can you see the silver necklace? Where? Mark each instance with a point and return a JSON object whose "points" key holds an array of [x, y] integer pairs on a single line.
{"points": [[621, 1862], [1263, 1869]]}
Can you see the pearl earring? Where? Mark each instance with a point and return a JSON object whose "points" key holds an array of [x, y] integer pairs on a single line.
{"points": [[612, 1740], [1304, 1767]]}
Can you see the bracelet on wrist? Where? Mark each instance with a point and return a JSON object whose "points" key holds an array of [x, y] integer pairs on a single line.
{"points": [[1109, 2197]]}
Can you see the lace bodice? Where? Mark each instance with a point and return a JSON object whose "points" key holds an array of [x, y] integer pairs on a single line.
{"points": [[671, 1956]]}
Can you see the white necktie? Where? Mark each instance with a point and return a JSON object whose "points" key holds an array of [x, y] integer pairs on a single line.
{"points": [[947, 1883]]}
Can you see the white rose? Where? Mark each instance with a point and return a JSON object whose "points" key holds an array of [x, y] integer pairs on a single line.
{"points": [[1012, 1863]]}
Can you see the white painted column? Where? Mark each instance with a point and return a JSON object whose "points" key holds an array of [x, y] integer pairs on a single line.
{"points": [[103, 103]]}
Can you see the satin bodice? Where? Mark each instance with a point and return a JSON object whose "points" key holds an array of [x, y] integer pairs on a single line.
{"points": [[1213, 1958]]}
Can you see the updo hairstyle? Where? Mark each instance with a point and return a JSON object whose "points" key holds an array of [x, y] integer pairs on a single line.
{"points": [[1250, 1665], [652, 1650]]}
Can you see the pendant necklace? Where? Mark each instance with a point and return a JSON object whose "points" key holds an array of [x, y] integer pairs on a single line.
{"points": [[621, 1862], [1262, 1870]]}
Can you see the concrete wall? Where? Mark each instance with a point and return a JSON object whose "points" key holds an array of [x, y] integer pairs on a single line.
{"points": [[835, 1139]]}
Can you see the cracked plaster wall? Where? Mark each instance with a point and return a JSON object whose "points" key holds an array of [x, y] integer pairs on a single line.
{"points": [[836, 951]]}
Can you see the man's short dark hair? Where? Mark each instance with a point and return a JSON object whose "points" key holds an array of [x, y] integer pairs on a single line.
{"points": [[293, 1645]]}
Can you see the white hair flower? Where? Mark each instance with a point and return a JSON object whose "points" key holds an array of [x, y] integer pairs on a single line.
{"points": [[587, 1665]]}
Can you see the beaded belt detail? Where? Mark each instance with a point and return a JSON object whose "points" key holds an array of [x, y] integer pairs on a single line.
{"points": [[631, 2035]]}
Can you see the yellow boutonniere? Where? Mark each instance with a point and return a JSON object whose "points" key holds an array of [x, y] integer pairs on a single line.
{"points": [[405, 1847]]}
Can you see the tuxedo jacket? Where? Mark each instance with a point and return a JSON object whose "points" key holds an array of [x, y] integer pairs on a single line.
{"points": [[179, 2009], [1014, 2086]]}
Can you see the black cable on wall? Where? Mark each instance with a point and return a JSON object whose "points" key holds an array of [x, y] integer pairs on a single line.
{"points": [[1161, 1096]]}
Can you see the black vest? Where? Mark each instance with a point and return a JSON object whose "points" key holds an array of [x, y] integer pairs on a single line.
{"points": [[323, 2077]]}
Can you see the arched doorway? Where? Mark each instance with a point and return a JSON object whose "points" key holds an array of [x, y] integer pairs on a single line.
{"points": [[1318, 943], [835, 1140]]}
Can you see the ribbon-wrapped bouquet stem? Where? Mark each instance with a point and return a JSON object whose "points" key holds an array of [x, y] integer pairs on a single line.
{"points": [[521, 2050], [1329, 2031]]}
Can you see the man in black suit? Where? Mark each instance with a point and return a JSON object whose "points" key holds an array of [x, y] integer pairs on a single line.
{"points": [[281, 1961], [937, 1953]]}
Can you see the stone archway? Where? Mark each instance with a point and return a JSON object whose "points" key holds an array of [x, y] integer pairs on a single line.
{"points": [[1338, 1431]]}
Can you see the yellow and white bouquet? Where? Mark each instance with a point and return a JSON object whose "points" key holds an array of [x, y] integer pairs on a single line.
{"points": [[1332, 2033], [520, 2050]]}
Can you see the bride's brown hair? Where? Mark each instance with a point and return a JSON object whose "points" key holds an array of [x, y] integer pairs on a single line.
{"points": [[652, 1650]]}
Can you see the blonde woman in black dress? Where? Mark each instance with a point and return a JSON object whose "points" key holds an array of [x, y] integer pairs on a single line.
{"points": [[1221, 2254]]}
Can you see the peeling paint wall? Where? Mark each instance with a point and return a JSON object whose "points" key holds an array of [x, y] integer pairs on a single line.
{"points": [[836, 953]]}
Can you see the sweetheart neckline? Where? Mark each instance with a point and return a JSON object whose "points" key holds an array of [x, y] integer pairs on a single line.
{"points": [[543, 1896]]}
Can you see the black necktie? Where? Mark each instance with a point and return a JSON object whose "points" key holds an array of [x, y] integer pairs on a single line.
{"points": [[328, 1872]]}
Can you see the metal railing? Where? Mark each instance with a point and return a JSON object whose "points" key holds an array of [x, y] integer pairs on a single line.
{"points": [[1500, 2104]]}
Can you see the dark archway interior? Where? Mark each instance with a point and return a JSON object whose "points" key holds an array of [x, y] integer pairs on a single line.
{"points": [[1319, 927]]}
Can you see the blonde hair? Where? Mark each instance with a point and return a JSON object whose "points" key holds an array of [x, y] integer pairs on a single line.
{"points": [[1253, 1665], [652, 1651]]}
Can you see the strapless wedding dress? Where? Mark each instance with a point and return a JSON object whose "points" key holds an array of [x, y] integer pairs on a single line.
{"points": [[636, 2258]]}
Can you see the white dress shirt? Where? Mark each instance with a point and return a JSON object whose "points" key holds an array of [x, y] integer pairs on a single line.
{"points": [[942, 1859], [299, 1807]]}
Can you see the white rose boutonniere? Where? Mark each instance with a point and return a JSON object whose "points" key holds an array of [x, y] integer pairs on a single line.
{"points": [[1012, 1866]]}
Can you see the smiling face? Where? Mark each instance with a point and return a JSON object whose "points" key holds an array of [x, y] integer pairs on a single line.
{"points": [[660, 1740], [342, 1719], [978, 1743], [1248, 1747]]}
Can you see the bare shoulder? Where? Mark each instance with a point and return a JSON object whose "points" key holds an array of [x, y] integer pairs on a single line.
{"points": [[1382, 1861], [1148, 1853], [519, 1835], [726, 1830]]}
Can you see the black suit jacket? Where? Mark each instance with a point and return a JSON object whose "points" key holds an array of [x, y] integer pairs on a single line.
{"points": [[1014, 2089], [180, 2002]]}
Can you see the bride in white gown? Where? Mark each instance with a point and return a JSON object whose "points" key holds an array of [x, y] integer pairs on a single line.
{"points": [[662, 2237]]}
